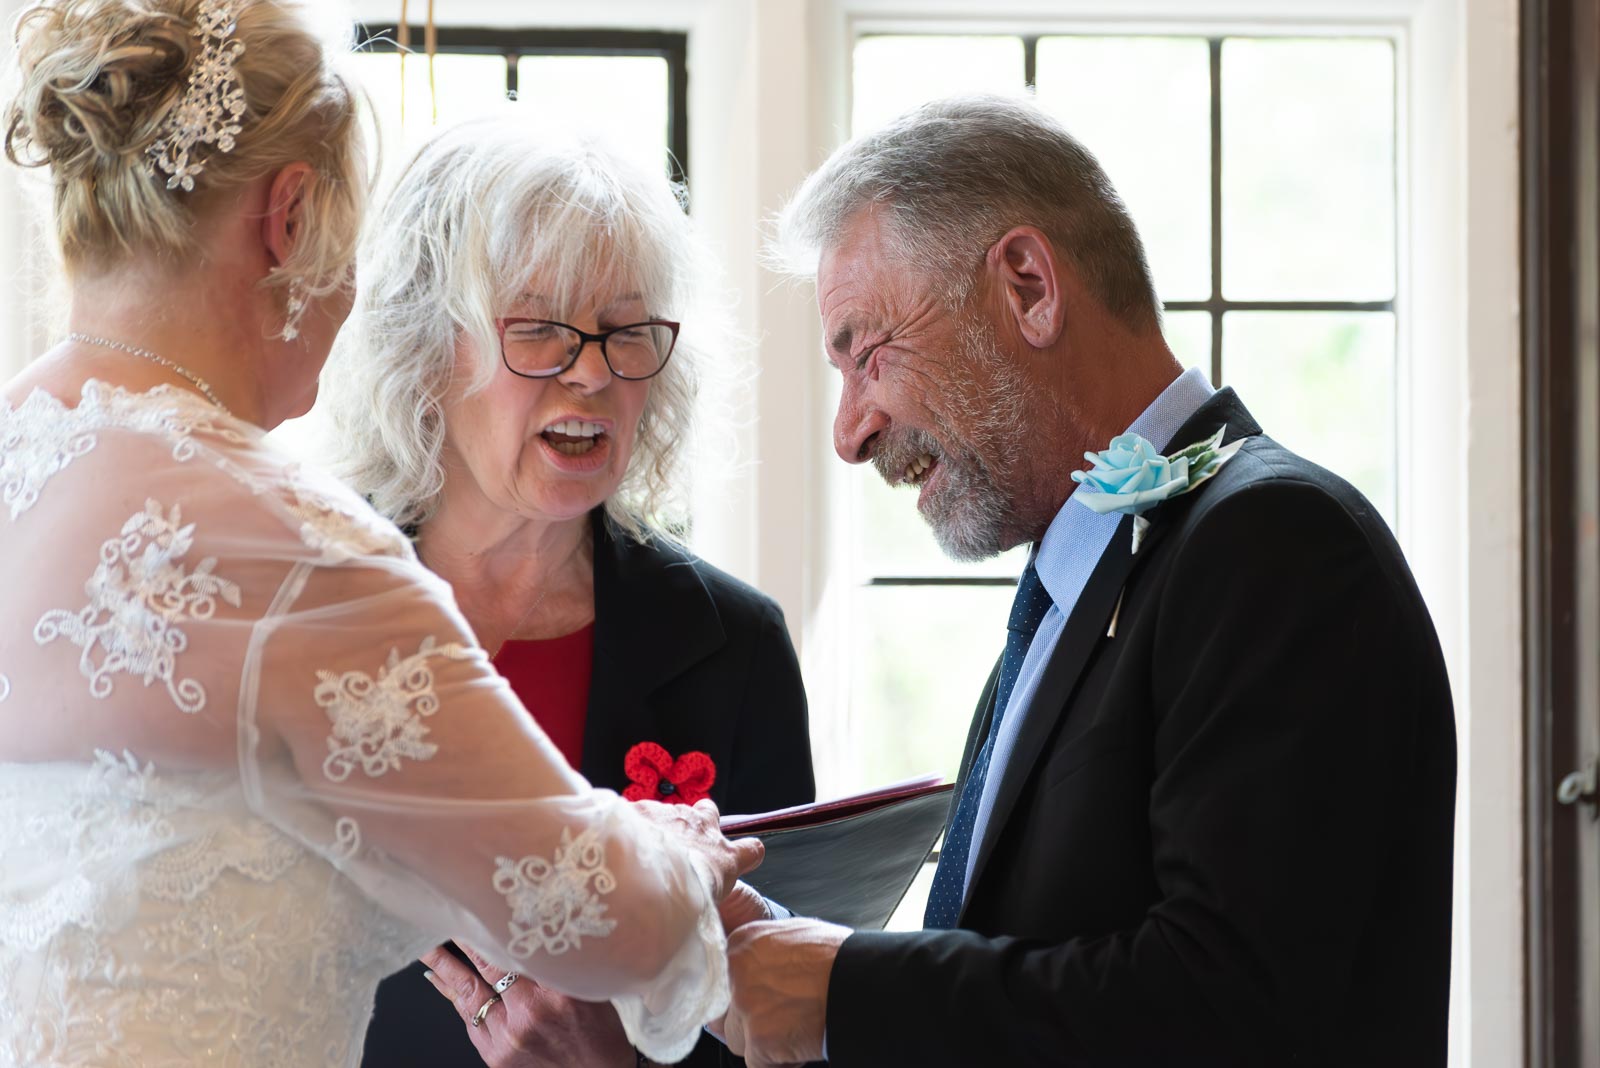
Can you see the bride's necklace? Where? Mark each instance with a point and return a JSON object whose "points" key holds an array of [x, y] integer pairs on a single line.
{"points": [[199, 383]]}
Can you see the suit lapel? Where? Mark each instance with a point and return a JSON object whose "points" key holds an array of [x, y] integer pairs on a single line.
{"points": [[1085, 626], [1087, 623], [654, 619]]}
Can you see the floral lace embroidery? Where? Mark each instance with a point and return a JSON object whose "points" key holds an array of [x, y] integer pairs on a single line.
{"points": [[137, 595], [377, 723], [42, 436], [176, 929], [346, 839], [553, 904], [338, 534]]}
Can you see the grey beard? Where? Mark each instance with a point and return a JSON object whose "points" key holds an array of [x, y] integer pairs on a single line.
{"points": [[970, 512]]}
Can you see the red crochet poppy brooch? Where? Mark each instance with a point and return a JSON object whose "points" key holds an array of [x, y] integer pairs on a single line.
{"points": [[657, 777]]}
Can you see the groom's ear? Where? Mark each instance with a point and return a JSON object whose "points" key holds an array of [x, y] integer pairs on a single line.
{"points": [[1029, 276]]}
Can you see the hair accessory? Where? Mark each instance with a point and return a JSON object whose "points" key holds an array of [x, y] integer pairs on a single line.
{"points": [[212, 104]]}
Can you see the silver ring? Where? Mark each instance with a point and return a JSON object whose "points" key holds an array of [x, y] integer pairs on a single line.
{"points": [[483, 1010], [505, 981]]}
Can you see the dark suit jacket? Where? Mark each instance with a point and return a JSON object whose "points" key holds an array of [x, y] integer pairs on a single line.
{"points": [[1225, 834], [685, 656]]}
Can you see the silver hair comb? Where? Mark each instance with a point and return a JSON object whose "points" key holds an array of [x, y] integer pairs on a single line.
{"points": [[212, 104]]}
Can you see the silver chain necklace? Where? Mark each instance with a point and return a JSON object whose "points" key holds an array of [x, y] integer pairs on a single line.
{"points": [[199, 383]]}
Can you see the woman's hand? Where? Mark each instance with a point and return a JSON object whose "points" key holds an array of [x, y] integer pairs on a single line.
{"points": [[529, 1027], [696, 827]]}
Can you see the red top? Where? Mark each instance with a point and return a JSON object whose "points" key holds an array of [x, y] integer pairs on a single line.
{"points": [[552, 678]]}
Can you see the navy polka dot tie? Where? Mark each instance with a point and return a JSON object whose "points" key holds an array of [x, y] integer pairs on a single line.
{"points": [[949, 879]]}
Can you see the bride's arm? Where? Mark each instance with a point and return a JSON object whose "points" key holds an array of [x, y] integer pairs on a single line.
{"points": [[374, 729]]}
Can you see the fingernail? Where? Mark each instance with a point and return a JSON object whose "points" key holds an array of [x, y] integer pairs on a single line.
{"points": [[433, 981]]}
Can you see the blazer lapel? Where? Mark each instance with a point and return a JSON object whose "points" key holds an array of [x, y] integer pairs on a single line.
{"points": [[654, 618], [1085, 626], [1087, 623]]}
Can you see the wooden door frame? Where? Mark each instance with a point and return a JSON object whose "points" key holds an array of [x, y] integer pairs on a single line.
{"points": [[1560, 45]]}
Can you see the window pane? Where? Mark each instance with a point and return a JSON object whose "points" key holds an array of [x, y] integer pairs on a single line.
{"points": [[467, 87], [895, 74], [922, 654], [1308, 176], [1322, 384], [1188, 335], [622, 99], [1142, 105]]}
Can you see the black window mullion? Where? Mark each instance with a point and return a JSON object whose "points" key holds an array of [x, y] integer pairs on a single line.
{"points": [[1216, 211], [516, 43], [940, 580], [1030, 60]]}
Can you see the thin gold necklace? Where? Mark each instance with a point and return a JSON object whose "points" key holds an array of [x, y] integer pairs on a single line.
{"points": [[199, 383]]}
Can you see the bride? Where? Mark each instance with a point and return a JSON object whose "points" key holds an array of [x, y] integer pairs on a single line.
{"points": [[251, 758]]}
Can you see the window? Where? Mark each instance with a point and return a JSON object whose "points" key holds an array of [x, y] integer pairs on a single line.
{"points": [[627, 86], [1261, 172]]}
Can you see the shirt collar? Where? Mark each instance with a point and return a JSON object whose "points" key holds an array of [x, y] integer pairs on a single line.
{"points": [[1077, 537]]}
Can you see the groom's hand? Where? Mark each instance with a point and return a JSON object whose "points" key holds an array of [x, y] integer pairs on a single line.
{"points": [[780, 970]]}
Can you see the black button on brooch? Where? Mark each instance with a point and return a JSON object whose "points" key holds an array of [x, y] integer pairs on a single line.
{"points": [[665, 788]]}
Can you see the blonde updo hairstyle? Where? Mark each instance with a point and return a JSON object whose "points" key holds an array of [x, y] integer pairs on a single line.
{"points": [[98, 79]]}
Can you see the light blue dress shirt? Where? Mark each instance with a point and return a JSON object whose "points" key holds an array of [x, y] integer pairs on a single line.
{"points": [[1065, 558]]}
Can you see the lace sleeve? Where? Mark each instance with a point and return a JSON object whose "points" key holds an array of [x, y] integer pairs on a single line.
{"points": [[376, 730], [177, 590]]}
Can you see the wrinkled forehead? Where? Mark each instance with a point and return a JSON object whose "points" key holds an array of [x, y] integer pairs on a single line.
{"points": [[864, 284]]}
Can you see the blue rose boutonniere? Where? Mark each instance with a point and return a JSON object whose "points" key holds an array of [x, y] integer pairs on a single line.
{"points": [[1132, 477]]}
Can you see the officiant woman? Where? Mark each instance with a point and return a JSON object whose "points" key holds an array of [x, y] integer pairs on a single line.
{"points": [[515, 390]]}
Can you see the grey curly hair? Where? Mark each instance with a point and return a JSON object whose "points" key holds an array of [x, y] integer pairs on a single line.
{"points": [[481, 210]]}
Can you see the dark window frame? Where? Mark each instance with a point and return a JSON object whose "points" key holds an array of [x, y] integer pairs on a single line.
{"points": [[1216, 305], [513, 44]]}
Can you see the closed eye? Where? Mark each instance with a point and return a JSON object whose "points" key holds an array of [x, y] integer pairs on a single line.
{"points": [[866, 354]]}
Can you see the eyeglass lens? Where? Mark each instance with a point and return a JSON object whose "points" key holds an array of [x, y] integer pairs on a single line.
{"points": [[635, 351]]}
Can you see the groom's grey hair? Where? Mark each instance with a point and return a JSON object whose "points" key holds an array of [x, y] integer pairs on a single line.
{"points": [[951, 178]]}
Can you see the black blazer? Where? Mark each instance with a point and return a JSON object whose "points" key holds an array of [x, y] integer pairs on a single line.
{"points": [[1224, 837], [686, 656]]}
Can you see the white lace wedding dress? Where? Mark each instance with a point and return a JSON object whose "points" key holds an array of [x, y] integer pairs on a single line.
{"points": [[251, 761]]}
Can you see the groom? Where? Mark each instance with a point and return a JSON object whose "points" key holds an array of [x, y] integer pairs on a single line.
{"points": [[1205, 809]]}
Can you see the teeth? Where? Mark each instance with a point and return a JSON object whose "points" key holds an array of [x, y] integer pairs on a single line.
{"points": [[917, 467], [574, 428]]}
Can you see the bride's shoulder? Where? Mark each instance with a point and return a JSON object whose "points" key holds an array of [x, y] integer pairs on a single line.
{"points": [[170, 443]]}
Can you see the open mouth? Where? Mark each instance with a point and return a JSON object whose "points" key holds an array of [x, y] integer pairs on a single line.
{"points": [[918, 470], [573, 437]]}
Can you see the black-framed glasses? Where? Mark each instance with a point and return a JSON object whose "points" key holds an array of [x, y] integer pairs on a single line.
{"points": [[544, 348]]}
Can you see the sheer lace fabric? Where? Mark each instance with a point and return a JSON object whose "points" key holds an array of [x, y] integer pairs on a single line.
{"points": [[251, 760]]}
